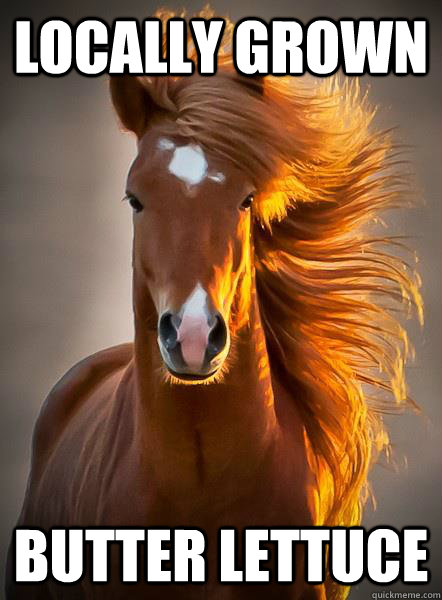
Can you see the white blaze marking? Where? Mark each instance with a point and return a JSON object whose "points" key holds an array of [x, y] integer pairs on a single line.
{"points": [[189, 163], [165, 144], [196, 303], [194, 329], [218, 177]]}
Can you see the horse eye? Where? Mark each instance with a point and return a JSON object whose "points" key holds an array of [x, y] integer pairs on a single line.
{"points": [[247, 202], [135, 203]]}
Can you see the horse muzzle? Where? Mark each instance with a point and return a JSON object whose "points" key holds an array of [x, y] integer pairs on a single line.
{"points": [[194, 342]]}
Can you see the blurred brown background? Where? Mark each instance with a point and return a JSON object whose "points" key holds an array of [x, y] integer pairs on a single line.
{"points": [[65, 244]]}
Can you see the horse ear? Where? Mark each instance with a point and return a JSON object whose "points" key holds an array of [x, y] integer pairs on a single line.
{"points": [[132, 102]]}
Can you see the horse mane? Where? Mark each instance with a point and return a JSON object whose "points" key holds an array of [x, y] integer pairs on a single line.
{"points": [[330, 290]]}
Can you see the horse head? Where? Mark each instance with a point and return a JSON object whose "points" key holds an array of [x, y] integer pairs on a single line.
{"points": [[192, 229]]}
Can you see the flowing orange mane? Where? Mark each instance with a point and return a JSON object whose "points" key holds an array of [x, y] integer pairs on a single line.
{"points": [[329, 290]]}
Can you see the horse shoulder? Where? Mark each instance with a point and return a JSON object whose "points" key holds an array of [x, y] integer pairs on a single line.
{"points": [[61, 403], [70, 391]]}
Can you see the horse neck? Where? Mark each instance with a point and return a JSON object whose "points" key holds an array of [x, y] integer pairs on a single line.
{"points": [[204, 433]]}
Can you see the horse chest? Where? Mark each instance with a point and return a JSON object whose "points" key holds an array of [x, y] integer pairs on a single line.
{"points": [[132, 486], [275, 493]]}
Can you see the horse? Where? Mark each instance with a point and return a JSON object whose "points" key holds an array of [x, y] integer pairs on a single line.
{"points": [[267, 339]]}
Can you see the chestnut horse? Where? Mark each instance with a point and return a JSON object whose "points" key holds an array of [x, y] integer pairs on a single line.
{"points": [[262, 321]]}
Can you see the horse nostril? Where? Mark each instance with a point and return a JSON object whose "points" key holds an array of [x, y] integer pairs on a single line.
{"points": [[217, 337], [167, 331]]}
